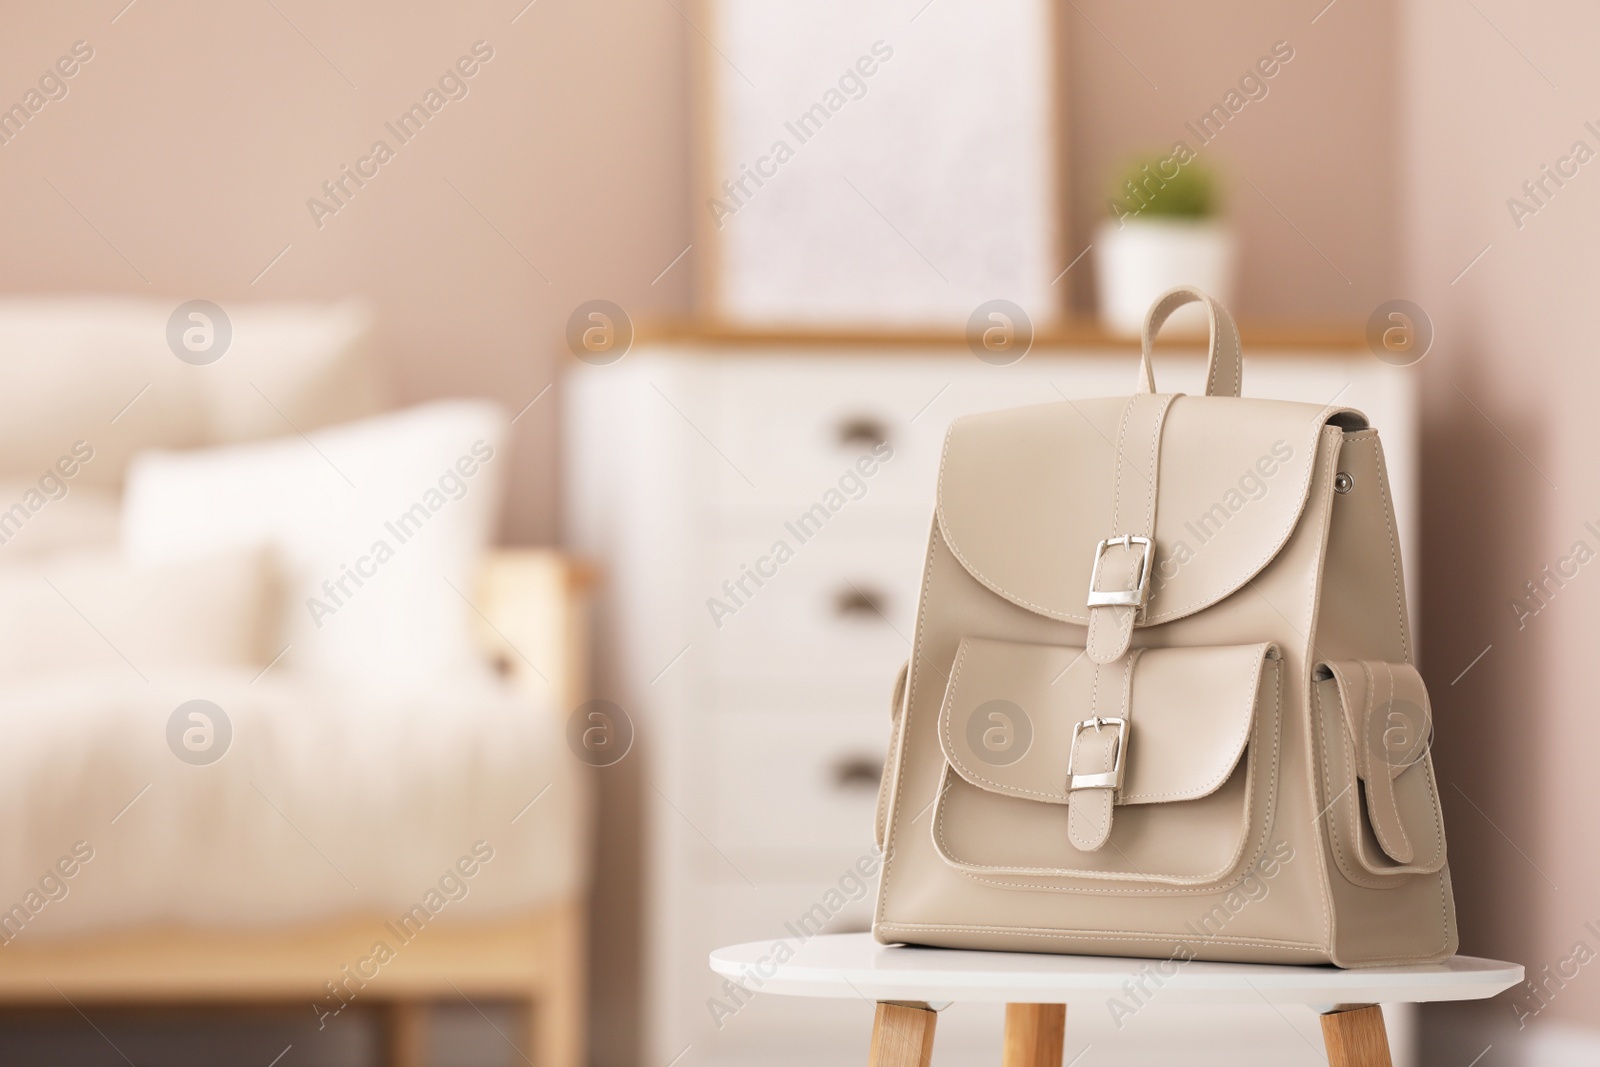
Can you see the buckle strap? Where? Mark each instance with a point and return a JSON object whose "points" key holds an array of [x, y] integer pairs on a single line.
{"points": [[1389, 721], [1119, 587], [1099, 757]]}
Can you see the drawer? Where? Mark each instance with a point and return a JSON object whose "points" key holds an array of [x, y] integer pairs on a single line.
{"points": [[795, 431], [794, 788], [832, 609], [794, 427]]}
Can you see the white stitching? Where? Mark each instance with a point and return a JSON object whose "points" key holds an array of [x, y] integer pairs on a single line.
{"points": [[905, 734], [1238, 356], [1102, 618], [1394, 552], [1104, 808], [949, 741], [1336, 833], [897, 717], [1111, 628], [1359, 874], [1377, 827], [1201, 883], [1239, 742], [1272, 553], [1324, 880], [1116, 483], [1211, 347], [1075, 813]]}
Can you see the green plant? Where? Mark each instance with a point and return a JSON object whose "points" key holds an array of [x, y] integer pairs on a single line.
{"points": [[1164, 187]]}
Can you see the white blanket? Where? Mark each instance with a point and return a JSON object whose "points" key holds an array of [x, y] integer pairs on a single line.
{"points": [[325, 804]]}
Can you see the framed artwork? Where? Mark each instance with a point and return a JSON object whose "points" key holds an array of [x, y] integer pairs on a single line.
{"points": [[877, 164]]}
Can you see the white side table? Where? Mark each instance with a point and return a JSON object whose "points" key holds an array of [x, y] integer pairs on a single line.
{"points": [[909, 985]]}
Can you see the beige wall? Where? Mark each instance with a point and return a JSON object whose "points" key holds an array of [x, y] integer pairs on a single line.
{"points": [[194, 137], [1320, 146], [1510, 450]]}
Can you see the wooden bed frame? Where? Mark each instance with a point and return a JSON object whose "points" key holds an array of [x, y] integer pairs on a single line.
{"points": [[532, 609]]}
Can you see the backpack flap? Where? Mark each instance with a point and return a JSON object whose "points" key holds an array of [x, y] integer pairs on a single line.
{"points": [[1159, 768], [1028, 499]]}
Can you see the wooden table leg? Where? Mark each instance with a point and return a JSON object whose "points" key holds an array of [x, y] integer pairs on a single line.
{"points": [[1355, 1037], [1035, 1034], [406, 1034], [902, 1036]]}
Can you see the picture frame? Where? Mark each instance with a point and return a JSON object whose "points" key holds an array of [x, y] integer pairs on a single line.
{"points": [[886, 165]]}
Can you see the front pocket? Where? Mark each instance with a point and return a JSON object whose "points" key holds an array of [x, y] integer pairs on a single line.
{"points": [[1196, 737], [1380, 797]]}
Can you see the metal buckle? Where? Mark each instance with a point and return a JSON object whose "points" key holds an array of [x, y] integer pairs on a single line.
{"points": [[1111, 779], [1122, 598]]}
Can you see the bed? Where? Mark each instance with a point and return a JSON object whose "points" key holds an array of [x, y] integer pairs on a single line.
{"points": [[243, 906]]}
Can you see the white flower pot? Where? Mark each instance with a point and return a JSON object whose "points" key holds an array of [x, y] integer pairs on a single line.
{"points": [[1143, 258]]}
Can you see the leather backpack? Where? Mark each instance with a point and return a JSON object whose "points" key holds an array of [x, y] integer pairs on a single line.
{"points": [[1161, 699]]}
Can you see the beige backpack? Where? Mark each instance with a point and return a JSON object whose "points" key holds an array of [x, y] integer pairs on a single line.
{"points": [[1161, 699]]}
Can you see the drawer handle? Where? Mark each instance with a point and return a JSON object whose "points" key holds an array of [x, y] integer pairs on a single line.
{"points": [[863, 431], [857, 772], [856, 602]]}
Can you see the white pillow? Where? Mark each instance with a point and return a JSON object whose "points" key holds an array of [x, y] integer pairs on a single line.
{"points": [[378, 526], [308, 363], [82, 611], [69, 366]]}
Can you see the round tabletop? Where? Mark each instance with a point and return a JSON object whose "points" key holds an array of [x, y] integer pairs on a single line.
{"points": [[856, 966]]}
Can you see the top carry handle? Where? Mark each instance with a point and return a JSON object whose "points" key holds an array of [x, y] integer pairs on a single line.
{"points": [[1223, 370]]}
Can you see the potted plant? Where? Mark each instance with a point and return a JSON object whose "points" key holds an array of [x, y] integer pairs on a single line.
{"points": [[1164, 231]]}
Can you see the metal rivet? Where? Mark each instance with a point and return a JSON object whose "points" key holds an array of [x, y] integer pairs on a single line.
{"points": [[1343, 482]]}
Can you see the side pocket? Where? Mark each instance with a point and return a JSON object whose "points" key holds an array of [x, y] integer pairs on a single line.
{"points": [[1374, 728], [896, 718]]}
